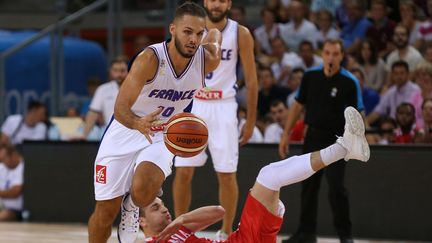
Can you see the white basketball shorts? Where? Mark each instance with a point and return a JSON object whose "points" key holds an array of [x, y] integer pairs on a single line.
{"points": [[120, 152], [223, 141]]}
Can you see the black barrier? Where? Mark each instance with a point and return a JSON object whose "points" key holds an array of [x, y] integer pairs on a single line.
{"points": [[390, 196]]}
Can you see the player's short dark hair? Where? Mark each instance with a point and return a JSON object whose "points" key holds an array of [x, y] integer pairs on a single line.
{"points": [[400, 63], [189, 8], [33, 105], [335, 41], [277, 102]]}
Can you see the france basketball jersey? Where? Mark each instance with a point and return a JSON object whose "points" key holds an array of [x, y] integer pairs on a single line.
{"points": [[221, 83], [169, 90]]}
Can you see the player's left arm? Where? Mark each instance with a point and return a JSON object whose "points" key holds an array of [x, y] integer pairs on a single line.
{"points": [[195, 220], [212, 48], [247, 58]]}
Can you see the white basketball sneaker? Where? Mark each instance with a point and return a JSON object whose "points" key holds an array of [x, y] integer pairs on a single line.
{"points": [[221, 236], [128, 227], [353, 139]]}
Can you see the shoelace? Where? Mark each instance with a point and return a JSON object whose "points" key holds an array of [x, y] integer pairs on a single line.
{"points": [[129, 221]]}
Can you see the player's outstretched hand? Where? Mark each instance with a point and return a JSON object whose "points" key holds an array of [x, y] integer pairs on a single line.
{"points": [[284, 147], [146, 122], [172, 228]]}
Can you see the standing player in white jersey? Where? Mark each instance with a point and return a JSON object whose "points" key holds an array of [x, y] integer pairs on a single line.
{"points": [[132, 161], [217, 106]]}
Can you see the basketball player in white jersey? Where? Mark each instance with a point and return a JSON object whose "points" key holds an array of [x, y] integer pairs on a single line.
{"points": [[132, 161], [216, 105]]}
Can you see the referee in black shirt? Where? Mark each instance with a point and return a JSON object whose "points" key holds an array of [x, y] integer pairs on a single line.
{"points": [[325, 92]]}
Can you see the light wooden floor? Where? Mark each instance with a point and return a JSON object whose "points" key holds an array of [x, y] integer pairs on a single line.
{"points": [[68, 233]]}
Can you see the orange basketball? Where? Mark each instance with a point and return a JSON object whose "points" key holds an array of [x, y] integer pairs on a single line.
{"points": [[185, 135]]}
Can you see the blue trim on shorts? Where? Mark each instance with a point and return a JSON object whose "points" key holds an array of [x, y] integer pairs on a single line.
{"points": [[106, 129]]}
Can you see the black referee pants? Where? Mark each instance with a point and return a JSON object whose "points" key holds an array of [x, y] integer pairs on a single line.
{"points": [[338, 195]]}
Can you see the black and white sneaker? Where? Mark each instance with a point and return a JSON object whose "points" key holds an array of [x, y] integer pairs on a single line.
{"points": [[128, 228]]}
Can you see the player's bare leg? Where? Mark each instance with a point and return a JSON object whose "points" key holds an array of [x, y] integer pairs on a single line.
{"points": [[271, 178], [228, 197], [146, 183], [182, 189], [100, 222]]}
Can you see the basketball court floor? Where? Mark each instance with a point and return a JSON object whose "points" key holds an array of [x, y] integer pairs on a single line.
{"points": [[74, 233]]}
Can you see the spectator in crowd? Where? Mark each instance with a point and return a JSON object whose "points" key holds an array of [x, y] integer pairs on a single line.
{"points": [[404, 51], [30, 126], [284, 62], [269, 91], [342, 14], [370, 96], [427, 54], [372, 65], [408, 12], [279, 114], [399, 93], [257, 136], [264, 33], [424, 34], [11, 183], [355, 30], [104, 99], [238, 13], [386, 133], [317, 6], [425, 134], [406, 130], [306, 53], [299, 28], [326, 29], [381, 32], [92, 84], [423, 77], [140, 42], [52, 130], [294, 84]]}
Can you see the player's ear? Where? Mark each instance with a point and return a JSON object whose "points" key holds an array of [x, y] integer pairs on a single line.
{"points": [[142, 222], [172, 29]]}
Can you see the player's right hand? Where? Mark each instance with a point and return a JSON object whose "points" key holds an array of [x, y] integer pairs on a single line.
{"points": [[145, 123], [284, 146]]}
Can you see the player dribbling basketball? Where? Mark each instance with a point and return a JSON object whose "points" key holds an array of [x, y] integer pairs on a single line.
{"points": [[161, 83]]}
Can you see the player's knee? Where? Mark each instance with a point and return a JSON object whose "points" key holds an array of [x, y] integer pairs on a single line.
{"points": [[227, 178], [106, 211], [145, 194], [267, 177]]}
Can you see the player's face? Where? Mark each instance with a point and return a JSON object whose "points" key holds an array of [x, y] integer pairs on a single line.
{"points": [[118, 71], [217, 10], [157, 216], [332, 55], [187, 32]]}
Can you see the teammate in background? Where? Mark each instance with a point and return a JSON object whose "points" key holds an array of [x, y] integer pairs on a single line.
{"points": [[104, 99], [217, 106], [262, 214], [132, 161]]}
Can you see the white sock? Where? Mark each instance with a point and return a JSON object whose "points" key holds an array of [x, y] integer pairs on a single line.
{"points": [[128, 203], [285, 172], [332, 153]]}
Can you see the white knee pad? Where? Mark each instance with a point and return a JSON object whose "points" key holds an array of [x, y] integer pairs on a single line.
{"points": [[268, 178]]}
